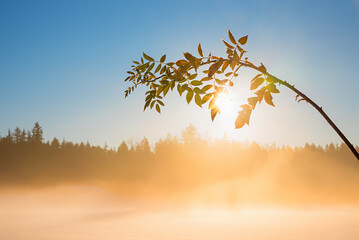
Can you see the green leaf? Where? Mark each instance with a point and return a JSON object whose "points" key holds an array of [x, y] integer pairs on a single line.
{"points": [[150, 67], [233, 40], [205, 79], [163, 58], [152, 104], [160, 102], [159, 90], [189, 96], [214, 68], [271, 79], [163, 70], [158, 108], [158, 68], [243, 40], [198, 100], [206, 88], [206, 98], [165, 89], [148, 57], [180, 89], [192, 76], [256, 83], [189, 57], [147, 104], [181, 62], [196, 83], [200, 52]]}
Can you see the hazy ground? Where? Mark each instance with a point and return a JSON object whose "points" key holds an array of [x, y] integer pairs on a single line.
{"points": [[92, 213]]}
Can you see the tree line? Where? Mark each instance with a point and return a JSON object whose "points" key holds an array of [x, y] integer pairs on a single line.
{"points": [[178, 165]]}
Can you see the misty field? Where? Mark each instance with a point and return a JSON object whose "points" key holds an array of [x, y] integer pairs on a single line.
{"points": [[89, 213], [184, 187]]}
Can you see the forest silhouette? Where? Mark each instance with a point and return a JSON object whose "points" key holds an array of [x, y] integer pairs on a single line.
{"points": [[182, 166]]}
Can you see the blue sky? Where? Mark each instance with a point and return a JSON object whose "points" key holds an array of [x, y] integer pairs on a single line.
{"points": [[62, 63]]}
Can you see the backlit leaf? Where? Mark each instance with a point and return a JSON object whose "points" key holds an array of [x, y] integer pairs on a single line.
{"points": [[205, 79], [146, 104], [257, 76], [189, 57], [158, 68], [206, 88], [262, 68], [240, 120], [252, 101], [256, 83], [165, 89], [268, 98], [189, 96], [163, 58], [260, 94], [214, 112], [198, 100], [243, 40], [200, 52], [271, 79], [196, 83], [181, 62], [158, 109], [160, 102], [233, 40], [192, 76], [214, 68], [147, 57], [163, 70], [272, 88], [227, 44], [206, 98], [225, 65], [150, 67]]}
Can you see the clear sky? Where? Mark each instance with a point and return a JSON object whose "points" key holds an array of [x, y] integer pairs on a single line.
{"points": [[62, 63]]}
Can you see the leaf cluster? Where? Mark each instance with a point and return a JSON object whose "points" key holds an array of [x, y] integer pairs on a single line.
{"points": [[201, 77]]}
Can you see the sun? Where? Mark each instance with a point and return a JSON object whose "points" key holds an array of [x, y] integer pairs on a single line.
{"points": [[228, 106], [225, 103]]}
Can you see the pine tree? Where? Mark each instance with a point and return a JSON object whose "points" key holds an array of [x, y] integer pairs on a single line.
{"points": [[9, 138], [37, 133], [28, 136], [190, 134], [23, 136], [55, 143], [17, 135], [123, 148], [144, 145]]}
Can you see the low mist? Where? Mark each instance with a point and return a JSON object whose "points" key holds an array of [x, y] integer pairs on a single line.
{"points": [[186, 169]]}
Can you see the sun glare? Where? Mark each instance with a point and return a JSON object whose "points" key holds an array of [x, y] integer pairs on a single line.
{"points": [[228, 113], [225, 103]]}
